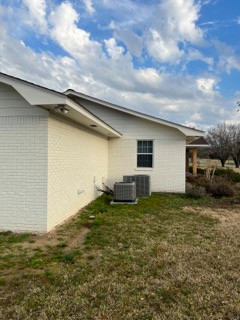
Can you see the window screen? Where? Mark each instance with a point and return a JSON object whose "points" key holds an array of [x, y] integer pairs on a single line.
{"points": [[145, 154]]}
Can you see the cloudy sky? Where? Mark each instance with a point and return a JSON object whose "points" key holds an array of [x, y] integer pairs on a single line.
{"points": [[175, 59]]}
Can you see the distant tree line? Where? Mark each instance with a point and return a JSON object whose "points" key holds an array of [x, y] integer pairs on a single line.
{"points": [[224, 141]]}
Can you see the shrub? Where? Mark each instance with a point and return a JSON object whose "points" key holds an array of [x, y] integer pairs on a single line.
{"points": [[196, 192], [203, 182], [191, 179], [229, 174], [220, 189], [189, 186]]}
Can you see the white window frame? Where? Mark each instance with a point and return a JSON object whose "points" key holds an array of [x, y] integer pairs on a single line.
{"points": [[152, 154]]}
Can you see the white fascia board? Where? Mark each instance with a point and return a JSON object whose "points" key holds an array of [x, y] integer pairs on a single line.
{"points": [[189, 132], [42, 97], [197, 146]]}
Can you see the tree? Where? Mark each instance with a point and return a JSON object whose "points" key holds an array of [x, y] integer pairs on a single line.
{"points": [[238, 106], [219, 140], [234, 146]]}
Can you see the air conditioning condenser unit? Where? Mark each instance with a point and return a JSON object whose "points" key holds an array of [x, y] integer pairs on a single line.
{"points": [[124, 192], [143, 184]]}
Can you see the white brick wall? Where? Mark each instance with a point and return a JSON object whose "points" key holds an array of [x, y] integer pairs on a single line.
{"points": [[76, 156], [23, 173], [44, 161], [168, 172]]}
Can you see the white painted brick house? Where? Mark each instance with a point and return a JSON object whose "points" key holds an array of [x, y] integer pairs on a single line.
{"points": [[50, 162]]}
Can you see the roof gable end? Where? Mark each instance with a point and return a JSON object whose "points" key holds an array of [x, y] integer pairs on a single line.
{"points": [[184, 129]]}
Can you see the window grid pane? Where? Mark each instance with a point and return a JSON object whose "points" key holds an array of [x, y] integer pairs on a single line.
{"points": [[144, 161], [139, 146], [145, 147], [145, 153]]}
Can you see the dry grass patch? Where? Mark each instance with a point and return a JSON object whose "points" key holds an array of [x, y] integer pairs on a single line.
{"points": [[157, 260], [228, 218]]}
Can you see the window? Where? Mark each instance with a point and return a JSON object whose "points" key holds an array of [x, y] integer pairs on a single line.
{"points": [[144, 154]]}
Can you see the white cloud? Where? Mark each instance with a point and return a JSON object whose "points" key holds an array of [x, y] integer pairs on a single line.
{"points": [[114, 51], [172, 108], [133, 42], [163, 50], [127, 13], [180, 17], [196, 117], [162, 29], [233, 121], [89, 6], [112, 25], [174, 22], [113, 68], [74, 40], [194, 54], [148, 76], [37, 11], [206, 85], [106, 70], [190, 124], [228, 59]]}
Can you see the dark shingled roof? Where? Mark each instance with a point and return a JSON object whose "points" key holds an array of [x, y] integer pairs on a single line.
{"points": [[200, 141]]}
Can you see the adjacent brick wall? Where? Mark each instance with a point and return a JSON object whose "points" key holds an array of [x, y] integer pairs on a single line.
{"points": [[168, 172], [44, 163], [23, 173], [76, 155]]}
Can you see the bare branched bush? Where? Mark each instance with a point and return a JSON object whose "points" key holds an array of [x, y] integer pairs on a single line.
{"points": [[224, 141], [222, 188], [210, 170], [219, 140]]}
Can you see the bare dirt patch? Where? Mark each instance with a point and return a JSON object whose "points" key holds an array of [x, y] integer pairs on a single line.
{"points": [[32, 254], [77, 241], [68, 232], [226, 217], [41, 241]]}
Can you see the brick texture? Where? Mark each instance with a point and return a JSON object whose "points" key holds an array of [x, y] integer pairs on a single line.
{"points": [[76, 158], [23, 173], [168, 172]]}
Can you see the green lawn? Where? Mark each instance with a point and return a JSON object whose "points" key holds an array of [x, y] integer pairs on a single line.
{"points": [[169, 257]]}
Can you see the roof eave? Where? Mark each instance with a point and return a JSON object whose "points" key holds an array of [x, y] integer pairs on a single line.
{"points": [[48, 99], [188, 132], [95, 120], [197, 146]]}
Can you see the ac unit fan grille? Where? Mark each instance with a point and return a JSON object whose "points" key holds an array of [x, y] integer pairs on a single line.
{"points": [[125, 192], [143, 185]]}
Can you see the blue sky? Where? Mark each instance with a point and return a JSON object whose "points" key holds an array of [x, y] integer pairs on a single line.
{"points": [[175, 59]]}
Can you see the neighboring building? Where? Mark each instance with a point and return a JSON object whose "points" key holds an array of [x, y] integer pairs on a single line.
{"points": [[55, 148]]}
